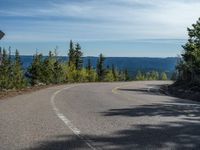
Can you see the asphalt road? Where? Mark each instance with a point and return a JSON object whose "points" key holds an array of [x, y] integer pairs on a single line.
{"points": [[131, 115]]}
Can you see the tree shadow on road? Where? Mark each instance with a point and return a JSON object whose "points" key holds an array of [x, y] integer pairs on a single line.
{"points": [[157, 109], [179, 135]]}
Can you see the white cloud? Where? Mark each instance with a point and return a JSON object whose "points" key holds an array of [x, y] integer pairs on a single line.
{"points": [[108, 19]]}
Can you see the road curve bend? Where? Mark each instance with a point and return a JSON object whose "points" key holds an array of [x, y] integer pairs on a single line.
{"points": [[123, 115]]}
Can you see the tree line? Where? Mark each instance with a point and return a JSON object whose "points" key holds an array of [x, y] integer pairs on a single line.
{"points": [[50, 69], [152, 75], [11, 71], [45, 70]]}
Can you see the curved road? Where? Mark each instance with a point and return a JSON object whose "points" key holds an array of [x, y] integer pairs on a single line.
{"points": [[131, 115]]}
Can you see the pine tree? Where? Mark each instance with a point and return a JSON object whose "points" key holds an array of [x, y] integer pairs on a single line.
{"points": [[109, 77], [163, 76], [58, 70], [3, 70], [189, 66], [140, 76], [91, 74], [174, 76], [35, 71], [19, 80], [75, 63], [78, 57], [48, 69], [71, 75], [127, 78], [1, 55], [58, 73], [120, 76], [154, 75], [114, 73], [71, 53], [10, 70], [101, 71]]}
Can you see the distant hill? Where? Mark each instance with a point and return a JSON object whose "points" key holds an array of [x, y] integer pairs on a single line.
{"points": [[133, 64]]}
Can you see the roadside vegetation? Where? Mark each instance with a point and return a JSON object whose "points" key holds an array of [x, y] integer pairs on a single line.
{"points": [[50, 70], [152, 75], [188, 69], [11, 71], [47, 70], [189, 65]]}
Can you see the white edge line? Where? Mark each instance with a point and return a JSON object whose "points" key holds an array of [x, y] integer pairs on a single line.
{"points": [[67, 122]]}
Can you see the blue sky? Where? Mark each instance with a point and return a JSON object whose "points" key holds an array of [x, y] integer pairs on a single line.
{"points": [[153, 28]]}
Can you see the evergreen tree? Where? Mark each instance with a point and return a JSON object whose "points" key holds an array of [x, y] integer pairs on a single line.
{"points": [[109, 77], [101, 71], [127, 78], [154, 75], [163, 76], [58, 73], [92, 76], [78, 57], [1, 55], [174, 76], [75, 63], [58, 70], [10, 70], [82, 75], [71, 75], [71, 53], [4, 71], [35, 71], [121, 75], [114, 73], [140, 76], [19, 80], [189, 66], [91, 73], [48, 69]]}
